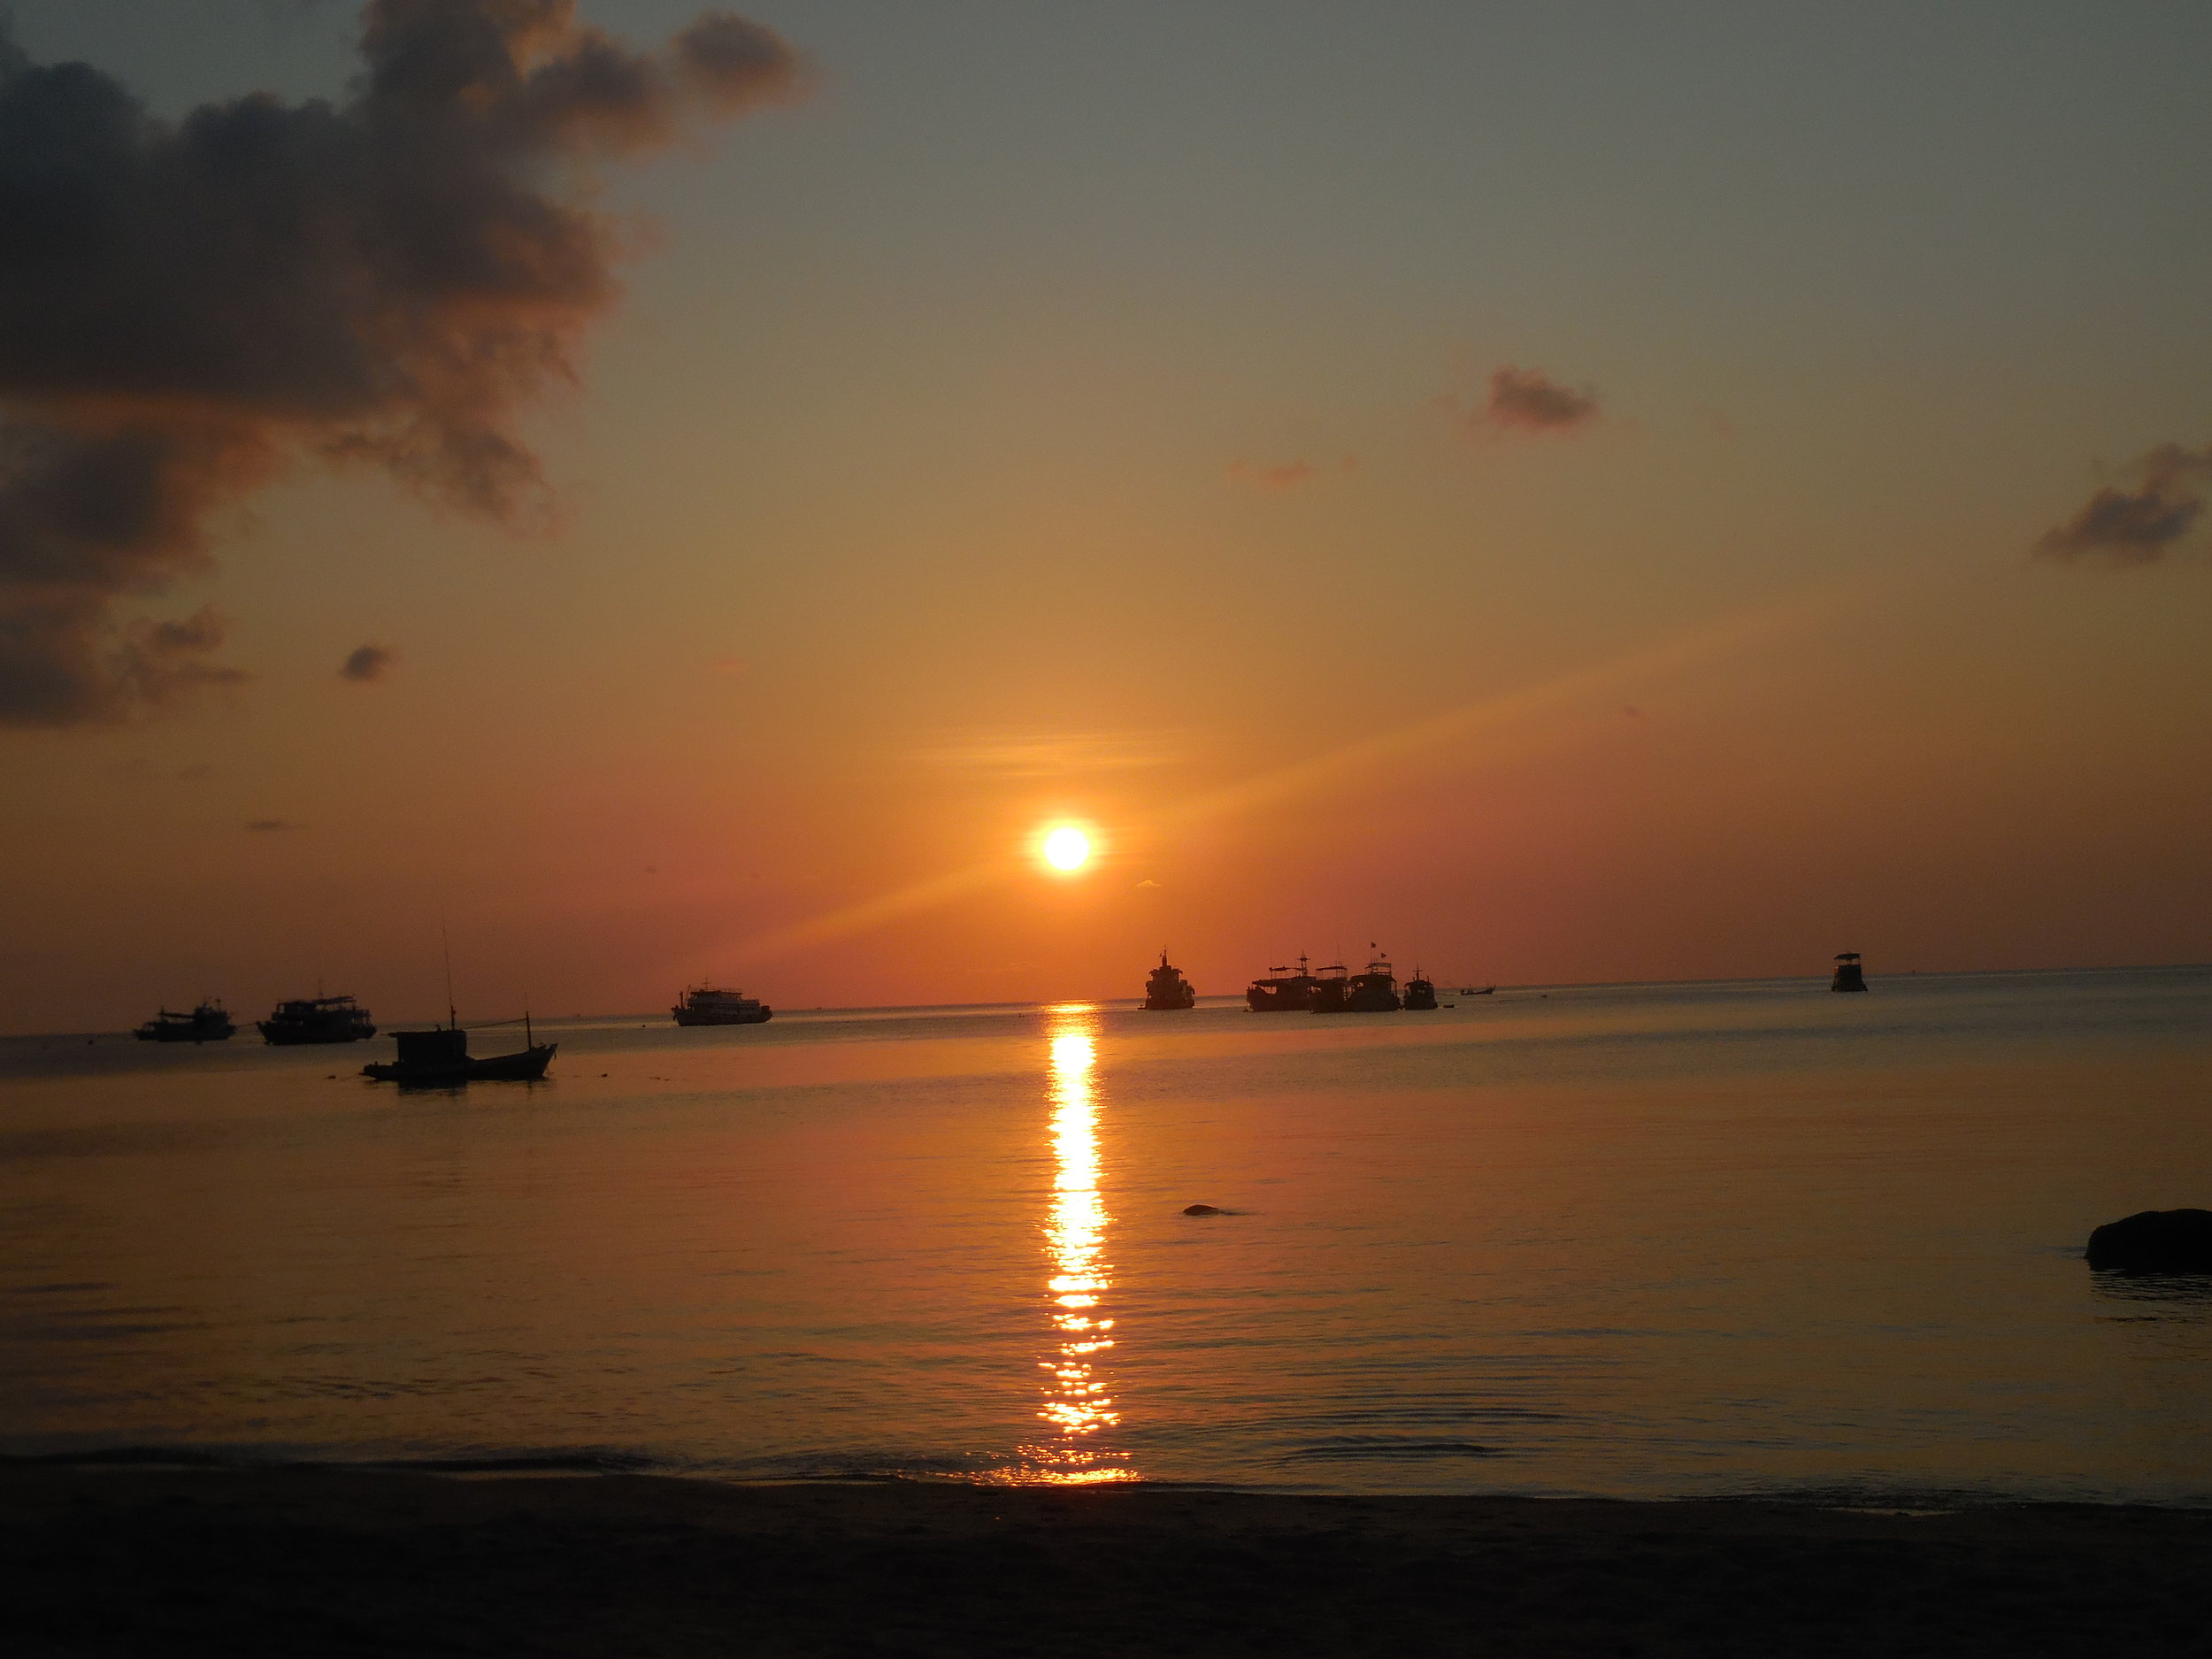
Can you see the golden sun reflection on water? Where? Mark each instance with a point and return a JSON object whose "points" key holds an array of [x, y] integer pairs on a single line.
{"points": [[1077, 1407]]}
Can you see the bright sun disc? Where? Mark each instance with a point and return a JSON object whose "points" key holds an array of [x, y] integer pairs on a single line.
{"points": [[1067, 848]]}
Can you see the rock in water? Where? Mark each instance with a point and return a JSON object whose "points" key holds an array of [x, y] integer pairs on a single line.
{"points": [[1204, 1209], [2154, 1242]]}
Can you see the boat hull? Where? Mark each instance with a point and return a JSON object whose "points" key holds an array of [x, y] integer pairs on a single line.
{"points": [[723, 1016], [292, 1036], [184, 1033], [526, 1067]]}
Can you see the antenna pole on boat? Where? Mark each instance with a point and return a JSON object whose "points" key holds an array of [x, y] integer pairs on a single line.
{"points": [[445, 941]]}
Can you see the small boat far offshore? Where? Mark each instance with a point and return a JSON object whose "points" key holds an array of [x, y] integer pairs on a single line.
{"points": [[1166, 988], [1284, 993], [705, 1005], [207, 1023], [317, 1019], [440, 1057], [1848, 977]]}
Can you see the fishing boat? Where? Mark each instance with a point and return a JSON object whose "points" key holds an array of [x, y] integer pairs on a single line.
{"points": [[440, 1058], [706, 1005], [207, 1023], [1166, 989], [1285, 992], [1848, 976], [317, 1019], [1477, 990], [1420, 993]]}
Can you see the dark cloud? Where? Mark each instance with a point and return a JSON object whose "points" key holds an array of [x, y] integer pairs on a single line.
{"points": [[185, 307], [368, 662], [2137, 526], [1528, 400]]}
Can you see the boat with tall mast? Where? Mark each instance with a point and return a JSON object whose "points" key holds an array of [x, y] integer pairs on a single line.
{"points": [[440, 1058]]}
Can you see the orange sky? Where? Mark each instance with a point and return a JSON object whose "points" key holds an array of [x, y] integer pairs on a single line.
{"points": [[962, 459]]}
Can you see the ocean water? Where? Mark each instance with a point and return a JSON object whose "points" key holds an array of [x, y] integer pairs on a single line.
{"points": [[1644, 1240]]}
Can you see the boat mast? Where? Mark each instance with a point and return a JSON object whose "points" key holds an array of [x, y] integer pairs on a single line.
{"points": [[445, 941]]}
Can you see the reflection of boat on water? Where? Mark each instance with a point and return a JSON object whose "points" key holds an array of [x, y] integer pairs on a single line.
{"points": [[1166, 988], [441, 1057], [1848, 977], [708, 1006], [207, 1023], [1286, 992], [317, 1019], [1420, 993], [1372, 991]]}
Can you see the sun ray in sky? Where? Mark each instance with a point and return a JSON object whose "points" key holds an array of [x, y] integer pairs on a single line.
{"points": [[1505, 725]]}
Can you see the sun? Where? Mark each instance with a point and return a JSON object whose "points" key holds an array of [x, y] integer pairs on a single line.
{"points": [[1067, 848]]}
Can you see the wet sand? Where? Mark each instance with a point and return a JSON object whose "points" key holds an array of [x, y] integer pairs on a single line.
{"points": [[129, 1561]]}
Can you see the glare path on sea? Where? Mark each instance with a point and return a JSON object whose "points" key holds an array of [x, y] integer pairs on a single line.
{"points": [[1077, 1407]]}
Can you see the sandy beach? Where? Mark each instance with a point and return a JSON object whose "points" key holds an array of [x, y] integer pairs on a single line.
{"points": [[135, 1560]]}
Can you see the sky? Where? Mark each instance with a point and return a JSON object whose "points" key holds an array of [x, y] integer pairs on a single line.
{"points": [[1562, 492]]}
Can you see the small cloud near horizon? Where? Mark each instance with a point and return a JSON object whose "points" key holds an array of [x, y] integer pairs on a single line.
{"points": [[368, 663], [1529, 400], [264, 825], [2140, 526]]}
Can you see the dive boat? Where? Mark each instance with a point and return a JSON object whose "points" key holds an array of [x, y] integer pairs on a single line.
{"points": [[1166, 988], [207, 1023], [1285, 992], [1332, 990], [1848, 977], [440, 1058], [708, 1006], [1372, 991], [317, 1019], [1420, 993]]}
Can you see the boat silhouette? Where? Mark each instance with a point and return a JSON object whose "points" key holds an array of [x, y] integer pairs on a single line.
{"points": [[317, 1019], [1166, 989], [207, 1023], [440, 1057], [1284, 993]]}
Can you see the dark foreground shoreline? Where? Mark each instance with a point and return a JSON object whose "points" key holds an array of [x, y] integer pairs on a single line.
{"points": [[135, 1561]]}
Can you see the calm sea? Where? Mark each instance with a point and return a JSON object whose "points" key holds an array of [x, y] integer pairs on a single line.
{"points": [[1630, 1240]]}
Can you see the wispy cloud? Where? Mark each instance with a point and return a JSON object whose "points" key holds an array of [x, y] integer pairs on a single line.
{"points": [[2138, 526], [186, 307], [368, 663], [270, 826], [1050, 754], [1290, 474], [1530, 401]]}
